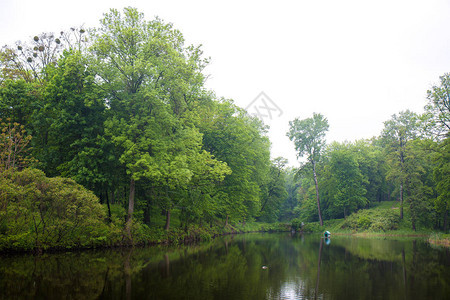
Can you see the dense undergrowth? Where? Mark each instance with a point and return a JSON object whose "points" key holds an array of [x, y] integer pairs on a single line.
{"points": [[40, 213]]}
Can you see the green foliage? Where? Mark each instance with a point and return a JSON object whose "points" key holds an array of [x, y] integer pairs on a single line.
{"points": [[122, 109], [14, 150], [344, 183], [309, 139], [296, 225], [273, 191], [39, 212], [439, 106], [441, 175], [372, 220]]}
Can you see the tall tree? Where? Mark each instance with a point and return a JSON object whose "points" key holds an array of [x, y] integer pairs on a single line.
{"points": [[309, 139], [234, 137], [349, 193], [418, 192], [127, 50], [274, 191], [69, 123], [151, 80], [290, 202], [442, 179], [397, 132]]}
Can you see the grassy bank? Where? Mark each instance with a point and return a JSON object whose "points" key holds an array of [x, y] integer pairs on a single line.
{"points": [[380, 220]]}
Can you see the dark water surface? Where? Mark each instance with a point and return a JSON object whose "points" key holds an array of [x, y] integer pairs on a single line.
{"points": [[298, 267]]}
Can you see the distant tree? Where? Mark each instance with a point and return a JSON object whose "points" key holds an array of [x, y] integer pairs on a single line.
{"points": [[397, 132], [274, 190], [309, 139], [349, 193], [234, 137], [418, 183], [441, 175], [439, 105], [290, 202]]}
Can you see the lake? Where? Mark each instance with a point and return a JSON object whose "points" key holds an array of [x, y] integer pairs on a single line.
{"points": [[247, 266]]}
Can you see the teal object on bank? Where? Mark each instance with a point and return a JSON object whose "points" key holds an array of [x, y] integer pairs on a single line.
{"points": [[326, 234]]}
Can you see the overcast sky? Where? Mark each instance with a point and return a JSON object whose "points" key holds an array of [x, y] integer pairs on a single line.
{"points": [[355, 62]]}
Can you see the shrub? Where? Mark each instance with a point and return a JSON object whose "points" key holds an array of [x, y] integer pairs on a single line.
{"points": [[296, 225], [41, 212], [373, 220]]}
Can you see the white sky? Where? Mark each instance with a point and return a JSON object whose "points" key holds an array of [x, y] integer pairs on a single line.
{"points": [[356, 62]]}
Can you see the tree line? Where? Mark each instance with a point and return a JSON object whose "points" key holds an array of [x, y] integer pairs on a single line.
{"points": [[409, 162], [122, 109]]}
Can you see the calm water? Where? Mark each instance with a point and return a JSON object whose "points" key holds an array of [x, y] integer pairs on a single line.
{"points": [[298, 267]]}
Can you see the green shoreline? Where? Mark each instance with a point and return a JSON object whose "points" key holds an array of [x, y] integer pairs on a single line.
{"points": [[202, 234], [433, 238]]}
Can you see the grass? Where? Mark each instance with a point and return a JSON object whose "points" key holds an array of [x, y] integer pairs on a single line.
{"points": [[439, 239], [381, 220]]}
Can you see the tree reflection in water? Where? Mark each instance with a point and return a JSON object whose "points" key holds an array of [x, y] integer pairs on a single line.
{"points": [[299, 267]]}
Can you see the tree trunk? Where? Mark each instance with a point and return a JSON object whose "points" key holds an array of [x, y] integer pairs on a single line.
{"points": [[316, 290], [109, 207], [226, 221], [147, 214], [127, 273], [445, 220], [131, 200], [167, 226], [401, 200], [402, 161], [130, 208], [317, 192]]}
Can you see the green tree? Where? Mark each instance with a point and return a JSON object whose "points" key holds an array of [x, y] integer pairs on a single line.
{"points": [[69, 125], [349, 193], [309, 139], [419, 188], [291, 186], [18, 100], [152, 82], [274, 191], [439, 105], [397, 132], [14, 150], [234, 137], [441, 174]]}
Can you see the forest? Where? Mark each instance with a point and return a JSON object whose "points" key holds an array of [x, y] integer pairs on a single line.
{"points": [[109, 136]]}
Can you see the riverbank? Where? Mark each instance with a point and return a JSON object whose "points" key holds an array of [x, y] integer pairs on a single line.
{"points": [[335, 227], [383, 220], [143, 235], [439, 239]]}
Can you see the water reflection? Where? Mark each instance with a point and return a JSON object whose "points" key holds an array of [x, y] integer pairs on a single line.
{"points": [[316, 291], [298, 267]]}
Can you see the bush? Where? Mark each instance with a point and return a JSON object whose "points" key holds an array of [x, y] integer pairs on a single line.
{"points": [[41, 212], [296, 225], [372, 220]]}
